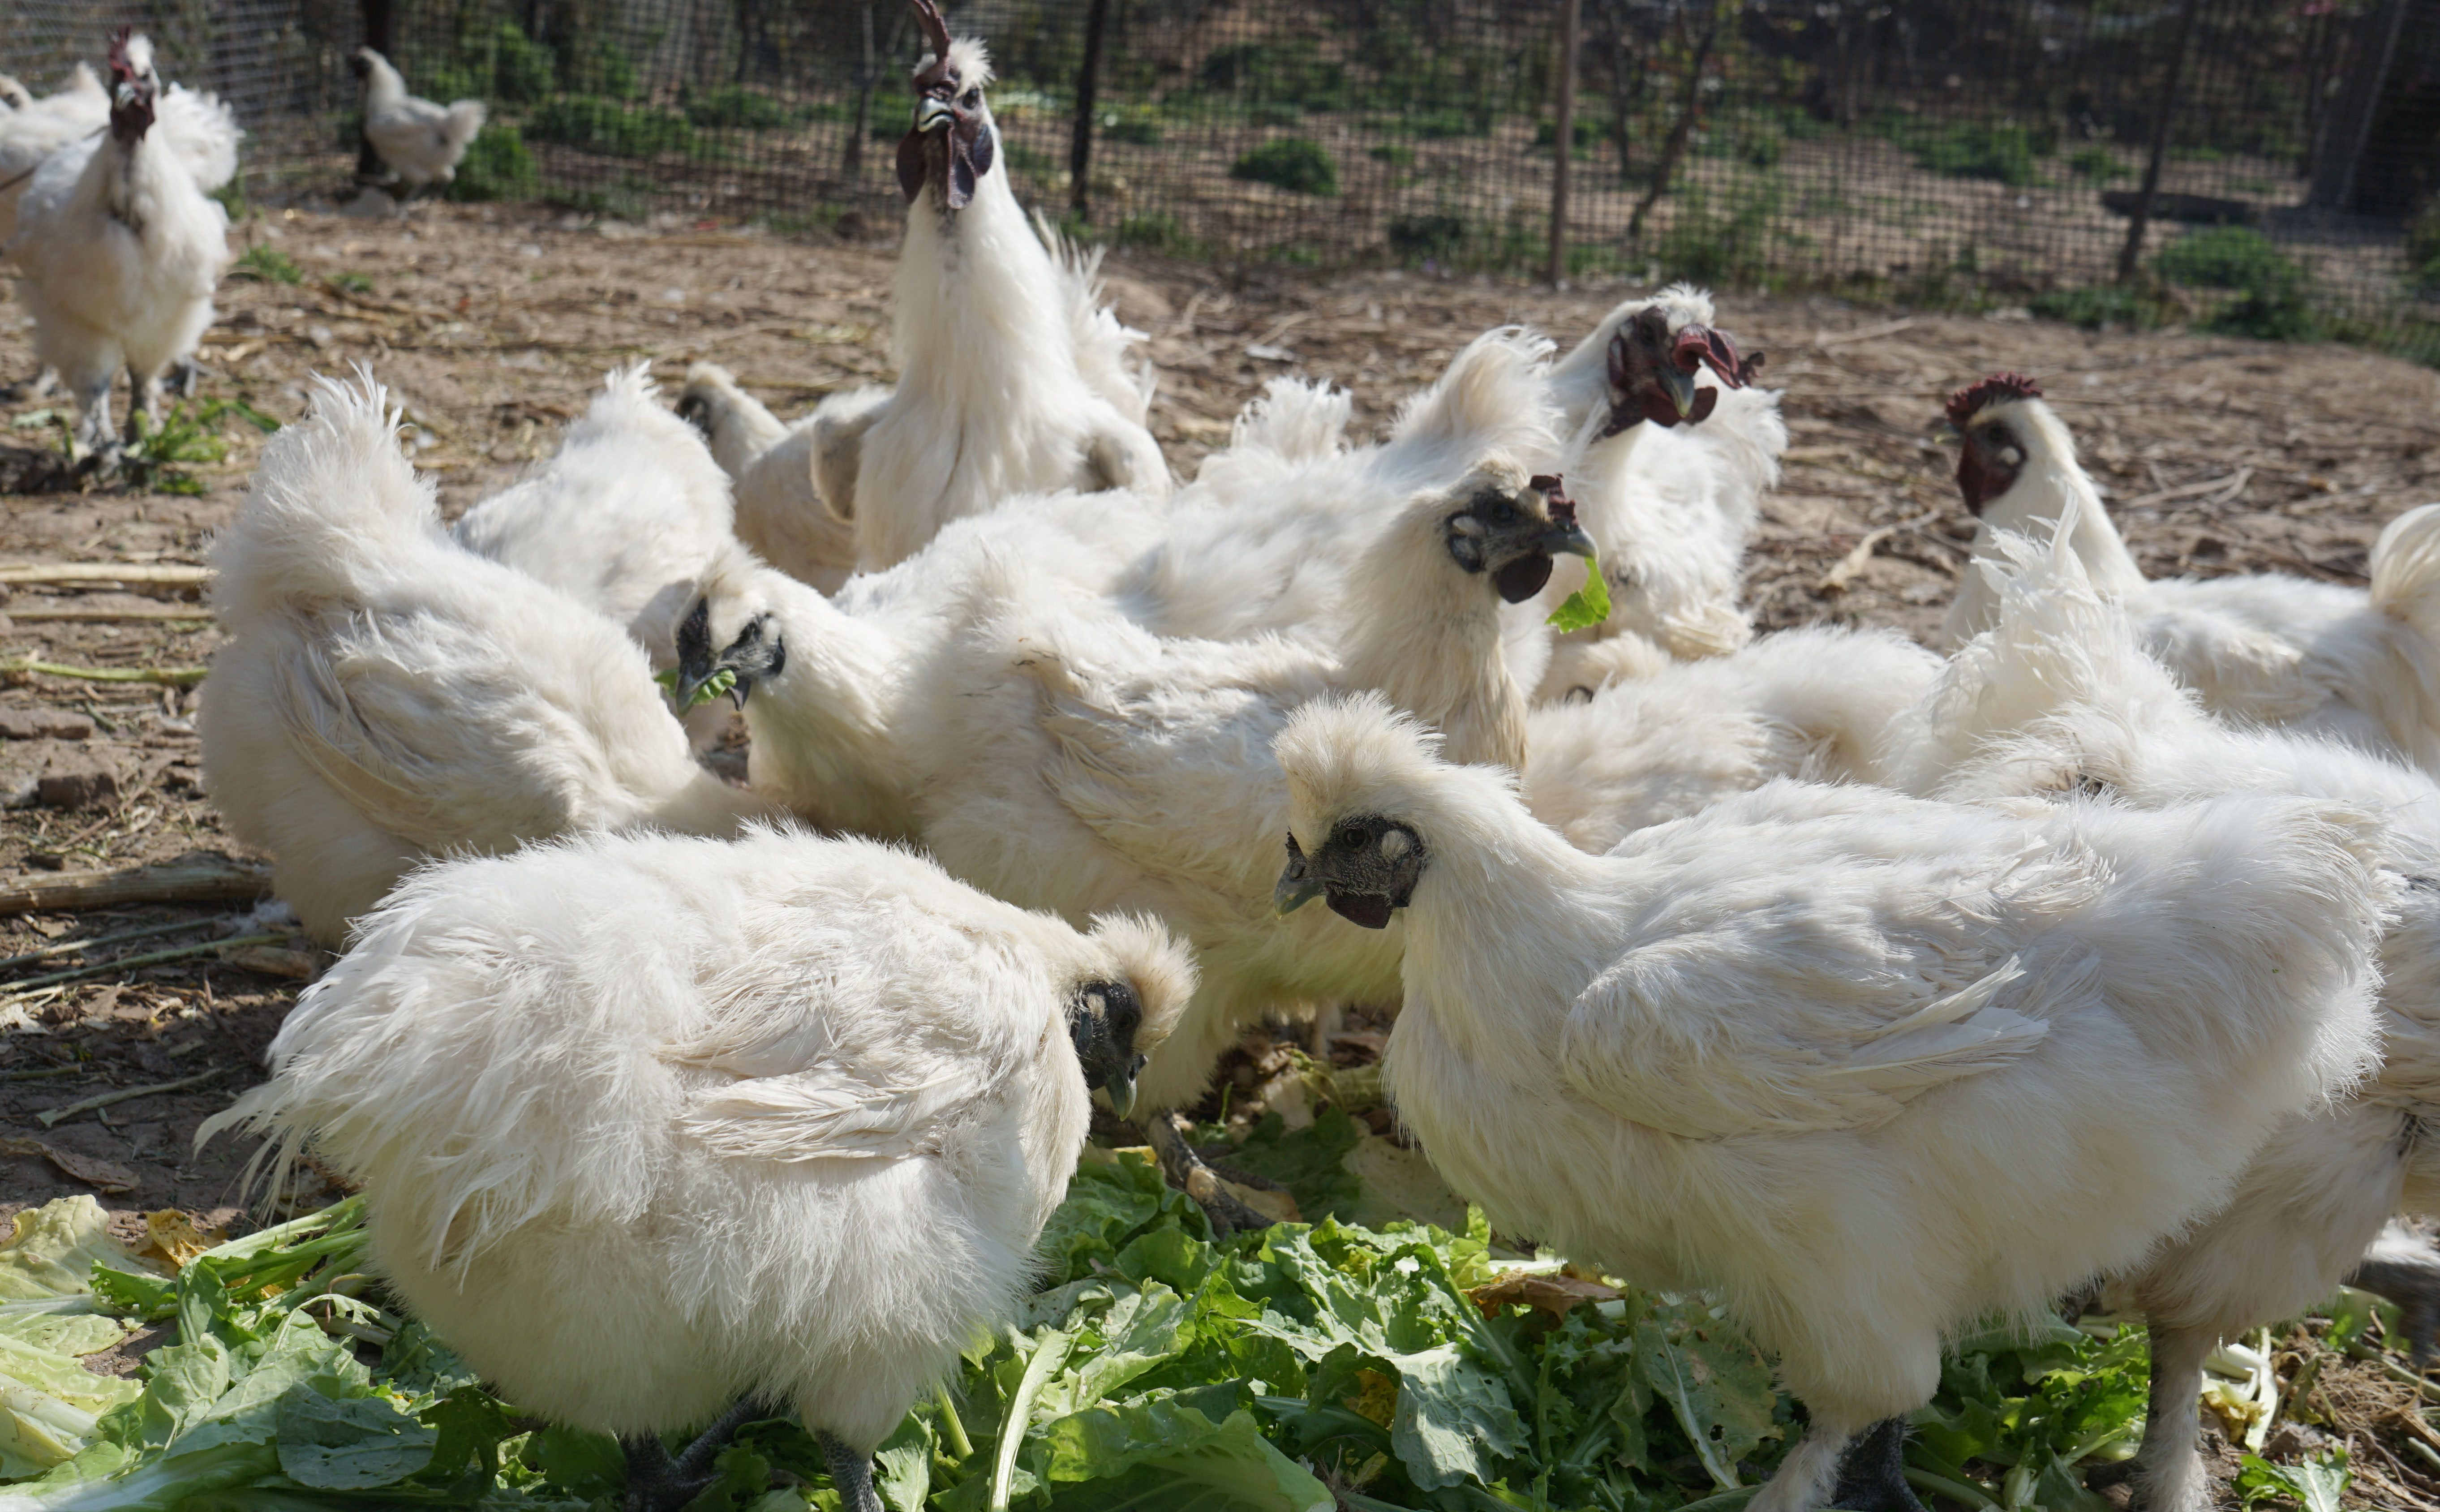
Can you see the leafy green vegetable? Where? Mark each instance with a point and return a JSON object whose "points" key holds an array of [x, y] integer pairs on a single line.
{"points": [[2314, 1485], [715, 686], [1585, 607]]}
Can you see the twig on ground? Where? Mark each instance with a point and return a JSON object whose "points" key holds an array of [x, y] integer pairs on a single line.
{"points": [[167, 676], [1835, 581], [150, 958], [51, 1118], [204, 881]]}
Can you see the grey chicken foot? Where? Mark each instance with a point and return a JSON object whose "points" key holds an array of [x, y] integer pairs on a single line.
{"points": [[1186, 1171], [850, 1476], [1872, 1475], [657, 1482], [2409, 1276]]}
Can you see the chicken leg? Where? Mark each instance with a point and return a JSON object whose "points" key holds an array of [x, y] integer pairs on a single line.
{"points": [[657, 1482], [1188, 1171], [2169, 1475], [851, 1475], [2405, 1270], [1872, 1476]]}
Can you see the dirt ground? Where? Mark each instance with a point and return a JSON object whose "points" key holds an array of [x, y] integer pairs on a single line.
{"points": [[493, 326]]}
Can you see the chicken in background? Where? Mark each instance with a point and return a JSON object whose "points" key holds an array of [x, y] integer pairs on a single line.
{"points": [[2264, 647], [649, 1126], [422, 142], [626, 518], [2059, 697], [1866, 1069], [193, 123], [1674, 463], [780, 508], [385, 696], [1012, 378], [120, 251]]}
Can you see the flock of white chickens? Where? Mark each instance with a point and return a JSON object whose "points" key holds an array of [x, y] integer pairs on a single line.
{"points": [[1873, 992]]}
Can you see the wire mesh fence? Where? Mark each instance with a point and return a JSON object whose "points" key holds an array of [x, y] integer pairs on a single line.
{"points": [[2283, 152]]}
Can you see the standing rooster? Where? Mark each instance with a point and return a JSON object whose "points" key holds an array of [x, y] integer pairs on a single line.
{"points": [[120, 251], [1011, 378], [420, 141]]}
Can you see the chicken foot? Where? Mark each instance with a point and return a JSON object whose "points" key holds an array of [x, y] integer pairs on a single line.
{"points": [[657, 1482], [851, 1475], [2413, 1282], [1872, 1475], [2168, 1474], [1188, 1171]]}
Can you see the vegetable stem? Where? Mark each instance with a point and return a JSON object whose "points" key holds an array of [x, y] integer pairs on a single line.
{"points": [[1958, 1490], [953, 1424], [1048, 1356]]}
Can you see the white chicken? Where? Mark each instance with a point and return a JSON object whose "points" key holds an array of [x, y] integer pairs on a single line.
{"points": [[1011, 377], [1865, 1068], [119, 252], [781, 512], [2268, 648], [647, 1124], [422, 142], [1670, 481], [193, 123], [2059, 697], [386, 695], [828, 727], [626, 518]]}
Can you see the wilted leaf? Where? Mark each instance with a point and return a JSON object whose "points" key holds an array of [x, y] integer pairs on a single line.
{"points": [[1718, 1387], [1554, 1292], [173, 1237], [66, 1326], [348, 1445], [55, 1247], [98, 1173]]}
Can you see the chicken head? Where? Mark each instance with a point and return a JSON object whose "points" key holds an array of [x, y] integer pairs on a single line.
{"points": [[953, 142], [1651, 370], [1992, 452], [1512, 534]]}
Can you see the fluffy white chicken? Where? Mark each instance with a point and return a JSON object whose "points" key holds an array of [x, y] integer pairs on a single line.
{"points": [[120, 251], [2059, 697], [781, 512], [1011, 377], [193, 123], [2268, 648], [386, 695], [1865, 1068], [649, 1124], [625, 518], [828, 726], [1671, 479], [422, 142]]}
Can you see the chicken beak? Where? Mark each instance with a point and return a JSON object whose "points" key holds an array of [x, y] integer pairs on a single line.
{"points": [[1569, 538], [1297, 887], [1679, 386], [932, 115], [1120, 1090]]}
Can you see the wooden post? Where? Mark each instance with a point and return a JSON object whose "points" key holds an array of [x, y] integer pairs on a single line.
{"points": [[380, 35], [1564, 138], [2132, 253], [1080, 153]]}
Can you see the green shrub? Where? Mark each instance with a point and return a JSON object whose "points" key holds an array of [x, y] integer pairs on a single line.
{"points": [[1417, 236], [1438, 125], [1586, 131], [2274, 294], [605, 126], [2097, 309], [2002, 149], [599, 66], [1397, 154], [1291, 70], [497, 166], [2423, 245], [265, 263], [2099, 164], [1297, 163], [1023, 158], [1156, 230], [1137, 124], [1726, 242], [737, 107]]}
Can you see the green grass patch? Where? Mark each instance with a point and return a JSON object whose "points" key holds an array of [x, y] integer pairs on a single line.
{"points": [[603, 125], [1297, 163], [497, 166], [265, 263], [2273, 293]]}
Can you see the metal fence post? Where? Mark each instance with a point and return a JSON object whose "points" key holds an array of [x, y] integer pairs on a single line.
{"points": [[1080, 154], [2133, 251], [380, 35], [1563, 141]]}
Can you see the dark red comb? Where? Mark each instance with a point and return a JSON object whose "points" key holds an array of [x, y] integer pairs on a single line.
{"points": [[936, 28], [1701, 345], [120, 70], [1553, 487], [1967, 401]]}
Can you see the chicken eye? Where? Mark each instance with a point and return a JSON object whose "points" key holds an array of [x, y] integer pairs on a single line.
{"points": [[971, 98], [1504, 513], [1353, 836]]}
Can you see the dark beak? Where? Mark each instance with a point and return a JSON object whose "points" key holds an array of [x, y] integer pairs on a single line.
{"points": [[1569, 538], [1679, 386], [1299, 885], [1121, 1089]]}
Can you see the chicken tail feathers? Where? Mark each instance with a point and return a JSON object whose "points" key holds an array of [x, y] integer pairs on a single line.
{"points": [[332, 493], [462, 124]]}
